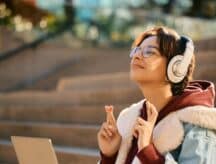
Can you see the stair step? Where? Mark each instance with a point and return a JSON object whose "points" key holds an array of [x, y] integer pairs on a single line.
{"points": [[95, 61], [92, 82], [69, 155], [7, 153], [205, 57], [206, 72], [206, 44], [65, 155], [42, 98], [61, 134], [31, 65], [86, 114]]}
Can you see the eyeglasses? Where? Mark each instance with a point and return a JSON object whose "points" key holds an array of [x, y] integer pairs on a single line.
{"points": [[145, 52]]}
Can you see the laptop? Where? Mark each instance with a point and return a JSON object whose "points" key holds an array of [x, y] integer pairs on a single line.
{"points": [[32, 150]]}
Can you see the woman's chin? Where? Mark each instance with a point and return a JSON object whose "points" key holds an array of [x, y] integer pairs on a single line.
{"points": [[136, 76]]}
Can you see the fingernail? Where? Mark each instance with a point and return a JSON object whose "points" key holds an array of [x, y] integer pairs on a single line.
{"points": [[108, 109], [109, 126]]}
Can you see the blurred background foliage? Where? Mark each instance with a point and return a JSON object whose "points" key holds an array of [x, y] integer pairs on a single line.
{"points": [[106, 22]]}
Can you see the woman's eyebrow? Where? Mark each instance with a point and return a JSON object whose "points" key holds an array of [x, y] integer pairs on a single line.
{"points": [[150, 46]]}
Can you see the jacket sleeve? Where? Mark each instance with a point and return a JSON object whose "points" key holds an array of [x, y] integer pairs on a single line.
{"points": [[150, 155], [107, 160], [199, 146]]}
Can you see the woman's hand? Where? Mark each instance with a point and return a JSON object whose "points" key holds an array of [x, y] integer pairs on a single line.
{"points": [[108, 136], [143, 129]]}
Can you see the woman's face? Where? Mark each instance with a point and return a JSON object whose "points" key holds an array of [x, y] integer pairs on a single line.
{"points": [[151, 69]]}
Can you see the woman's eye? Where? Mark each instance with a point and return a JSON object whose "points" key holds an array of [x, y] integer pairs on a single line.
{"points": [[150, 52]]}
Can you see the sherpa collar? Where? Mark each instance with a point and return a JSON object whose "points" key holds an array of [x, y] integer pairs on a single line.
{"points": [[163, 137]]}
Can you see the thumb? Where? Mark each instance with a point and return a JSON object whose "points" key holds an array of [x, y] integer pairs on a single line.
{"points": [[110, 118]]}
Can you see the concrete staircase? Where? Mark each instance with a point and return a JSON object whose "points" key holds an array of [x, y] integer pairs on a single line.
{"points": [[94, 62], [70, 119]]}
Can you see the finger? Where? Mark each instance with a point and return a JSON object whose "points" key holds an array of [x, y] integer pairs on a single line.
{"points": [[148, 110], [112, 129], [106, 128], [135, 132], [109, 132], [105, 135], [141, 121], [138, 130], [110, 118], [102, 133], [151, 112]]}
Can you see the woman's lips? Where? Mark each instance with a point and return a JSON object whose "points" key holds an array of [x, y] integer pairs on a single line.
{"points": [[137, 65]]}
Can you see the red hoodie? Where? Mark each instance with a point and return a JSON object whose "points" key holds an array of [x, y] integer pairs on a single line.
{"points": [[196, 93]]}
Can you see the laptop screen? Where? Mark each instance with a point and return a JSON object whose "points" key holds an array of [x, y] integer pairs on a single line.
{"points": [[32, 150]]}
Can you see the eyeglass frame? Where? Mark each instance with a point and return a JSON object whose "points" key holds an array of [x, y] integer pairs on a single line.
{"points": [[144, 51]]}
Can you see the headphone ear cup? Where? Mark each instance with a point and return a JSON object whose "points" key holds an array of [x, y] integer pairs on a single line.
{"points": [[172, 69]]}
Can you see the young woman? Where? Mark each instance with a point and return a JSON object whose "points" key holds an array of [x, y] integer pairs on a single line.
{"points": [[176, 120]]}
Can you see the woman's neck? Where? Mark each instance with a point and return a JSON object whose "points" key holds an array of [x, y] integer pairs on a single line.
{"points": [[158, 95]]}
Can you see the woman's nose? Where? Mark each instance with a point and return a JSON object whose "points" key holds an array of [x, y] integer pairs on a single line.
{"points": [[138, 55]]}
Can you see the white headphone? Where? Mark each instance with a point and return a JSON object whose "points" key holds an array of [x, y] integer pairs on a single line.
{"points": [[178, 65]]}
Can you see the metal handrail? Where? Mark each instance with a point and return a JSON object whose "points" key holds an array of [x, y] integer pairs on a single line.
{"points": [[35, 43]]}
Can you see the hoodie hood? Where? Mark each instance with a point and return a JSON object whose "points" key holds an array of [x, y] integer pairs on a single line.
{"points": [[198, 92]]}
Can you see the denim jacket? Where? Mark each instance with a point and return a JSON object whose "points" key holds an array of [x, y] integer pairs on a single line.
{"points": [[198, 147]]}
